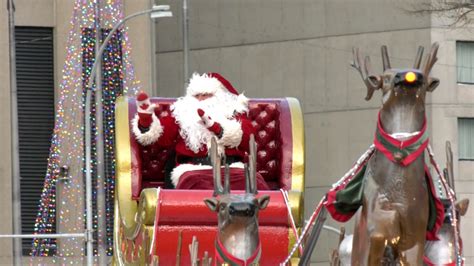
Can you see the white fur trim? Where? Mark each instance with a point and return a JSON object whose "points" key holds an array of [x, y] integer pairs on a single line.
{"points": [[149, 110], [179, 170], [232, 133], [242, 104], [237, 165], [204, 83], [207, 121], [153, 133]]}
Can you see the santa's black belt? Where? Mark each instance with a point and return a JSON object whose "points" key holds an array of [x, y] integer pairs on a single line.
{"points": [[207, 160]]}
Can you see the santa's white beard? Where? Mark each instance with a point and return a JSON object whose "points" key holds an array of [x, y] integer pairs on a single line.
{"points": [[220, 107]]}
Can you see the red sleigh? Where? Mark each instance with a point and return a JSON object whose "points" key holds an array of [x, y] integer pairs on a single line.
{"points": [[149, 222]]}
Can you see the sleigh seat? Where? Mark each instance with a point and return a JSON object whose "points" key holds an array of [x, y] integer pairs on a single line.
{"points": [[149, 218]]}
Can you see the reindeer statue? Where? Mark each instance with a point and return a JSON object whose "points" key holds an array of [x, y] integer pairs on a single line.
{"points": [[438, 252], [237, 240], [399, 205], [391, 226]]}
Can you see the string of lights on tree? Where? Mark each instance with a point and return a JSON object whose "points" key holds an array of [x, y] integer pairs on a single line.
{"points": [[112, 76], [112, 88], [66, 193]]}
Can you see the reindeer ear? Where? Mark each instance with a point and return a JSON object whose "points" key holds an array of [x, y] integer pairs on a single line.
{"points": [[461, 206], [375, 81], [212, 203], [263, 201], [432, 84]]}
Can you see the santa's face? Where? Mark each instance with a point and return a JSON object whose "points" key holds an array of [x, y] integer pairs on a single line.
{"points": [[203, 96]]}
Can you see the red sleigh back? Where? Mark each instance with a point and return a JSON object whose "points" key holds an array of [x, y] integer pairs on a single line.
{"points": [[279, 149]]}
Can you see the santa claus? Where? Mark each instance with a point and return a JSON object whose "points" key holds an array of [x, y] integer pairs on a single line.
{"points": [[211, 107]]}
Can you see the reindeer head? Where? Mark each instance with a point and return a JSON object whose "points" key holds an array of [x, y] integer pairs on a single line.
{"points": [[235, 209], [399, 85]]}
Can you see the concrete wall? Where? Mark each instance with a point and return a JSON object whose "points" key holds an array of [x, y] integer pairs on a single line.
{"points": [[255, 43], [41, 13], [139, 32]]}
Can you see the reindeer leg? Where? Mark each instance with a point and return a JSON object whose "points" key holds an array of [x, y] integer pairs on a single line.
{"points": [[414, 255], [386, 233], [377, 248], [335, 258]]}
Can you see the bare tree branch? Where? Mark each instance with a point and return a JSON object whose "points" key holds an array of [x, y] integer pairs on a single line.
{"points": [[458, 10]]}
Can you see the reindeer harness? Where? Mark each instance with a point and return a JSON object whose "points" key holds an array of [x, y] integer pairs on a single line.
{"points": [[400, 151], [223, 256]]}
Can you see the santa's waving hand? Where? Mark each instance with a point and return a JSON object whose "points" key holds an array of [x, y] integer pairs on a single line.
{"points": [[145, 110], [146, 126], [210, 124]]}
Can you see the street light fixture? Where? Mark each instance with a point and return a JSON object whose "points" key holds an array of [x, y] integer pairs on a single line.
{"points": [[157, 11], [161, 11]]}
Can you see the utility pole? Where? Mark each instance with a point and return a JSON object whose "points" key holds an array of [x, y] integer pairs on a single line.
{"points": [[153, 79], [16, 192], [185, 44]]}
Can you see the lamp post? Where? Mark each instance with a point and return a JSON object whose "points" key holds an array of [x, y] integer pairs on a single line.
{"points": [[16, 199], [157, 11]]}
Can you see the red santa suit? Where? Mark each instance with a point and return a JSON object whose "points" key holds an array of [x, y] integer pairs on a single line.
{"points": [[192, 125]]}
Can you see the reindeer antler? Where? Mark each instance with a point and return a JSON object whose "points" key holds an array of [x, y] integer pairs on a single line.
{"points": [[385, 58], [419, 56], [226, 179], [449, 165], [253, 165], [251, 168], [216, 168], [430, 60], [371, 82]]}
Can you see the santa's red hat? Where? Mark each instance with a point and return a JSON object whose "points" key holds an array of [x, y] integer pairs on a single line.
{"points": [[210, 83], [224, 82]]}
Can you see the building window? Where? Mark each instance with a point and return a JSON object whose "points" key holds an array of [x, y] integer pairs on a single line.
{"points": [[465, 62], [35, 84], [466, 138]]}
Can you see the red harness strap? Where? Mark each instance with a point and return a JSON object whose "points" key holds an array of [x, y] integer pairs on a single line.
{"points": [[408, 150]]}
